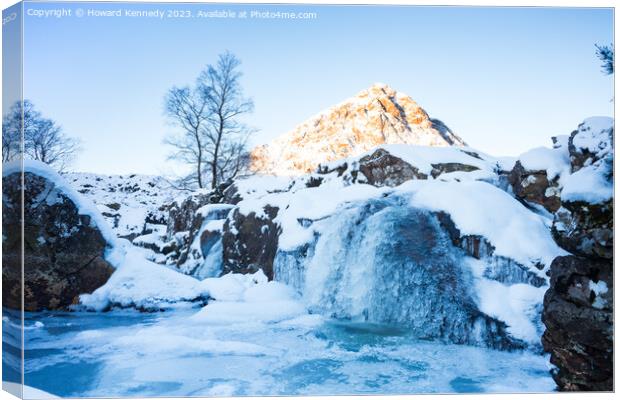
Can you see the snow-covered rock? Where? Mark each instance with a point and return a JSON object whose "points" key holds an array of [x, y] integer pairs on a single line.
{"points": [[144, 285], [68, 245], [539, 174], [336, 241], [376, 116], [132, 204], [584, 223], [578, 307], [591, 155], [392, 165]]}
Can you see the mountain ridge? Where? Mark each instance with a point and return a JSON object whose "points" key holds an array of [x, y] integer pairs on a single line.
{"points": [[375, 116]]}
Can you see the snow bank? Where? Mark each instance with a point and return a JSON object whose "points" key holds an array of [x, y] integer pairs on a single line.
{"points": [[593, 183], [479, 208], [555, 162], [249, 299], [516, 305], [593, 135], [588, 184], [143, 284]]}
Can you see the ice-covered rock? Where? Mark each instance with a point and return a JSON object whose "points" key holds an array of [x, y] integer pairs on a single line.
{"points": [[68, 244], [419, 254], [194, 236], [387, 260]]}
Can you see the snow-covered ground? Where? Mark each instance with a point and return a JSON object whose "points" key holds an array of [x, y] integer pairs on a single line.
{"points": [[127, 202]]}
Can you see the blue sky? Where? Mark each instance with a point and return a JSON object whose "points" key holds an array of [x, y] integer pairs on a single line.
{"points": [[504, 79]]}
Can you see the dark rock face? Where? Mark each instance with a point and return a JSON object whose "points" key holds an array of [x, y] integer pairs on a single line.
{"points": [[64, 250], [185, 226], [585, 229], [535, 187], [578, 307], [445, 168], [182, 214], [250, 242], [383, 169], [578, 314]]}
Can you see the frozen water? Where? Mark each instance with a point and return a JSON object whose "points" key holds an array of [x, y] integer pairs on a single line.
{"points": [[131, 354], [383, 261]]}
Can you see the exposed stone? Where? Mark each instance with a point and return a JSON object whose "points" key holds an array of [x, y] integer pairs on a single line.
{"points": [[578, 307], [182, 213], [250, 242], [445, 168], [383, 169], [578, 314], [535, 187], [64, 249], [585, 229]]}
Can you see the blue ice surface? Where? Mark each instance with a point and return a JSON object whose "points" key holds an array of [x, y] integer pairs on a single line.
{"points": [[132, 354]]}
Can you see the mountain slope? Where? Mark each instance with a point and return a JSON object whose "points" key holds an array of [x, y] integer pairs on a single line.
{"points": [[376, 116]]}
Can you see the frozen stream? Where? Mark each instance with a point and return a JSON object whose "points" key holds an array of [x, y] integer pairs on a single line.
{"points": [[127, 353]]}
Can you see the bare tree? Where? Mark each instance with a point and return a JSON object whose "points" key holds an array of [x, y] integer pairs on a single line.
{"points": [[212, 140], [187, 109], [43, 139], [22, 115], [48, 143], [227, 136]]}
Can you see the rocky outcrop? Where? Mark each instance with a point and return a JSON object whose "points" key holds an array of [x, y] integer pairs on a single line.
{"points": [[383, 169], [182, 216], [585, 229], [64, 249], [535, 187], [578, 307], [188, 238], [578, 314], [250, 242], [376, 116]]}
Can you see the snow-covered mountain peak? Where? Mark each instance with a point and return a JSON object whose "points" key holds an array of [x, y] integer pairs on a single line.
{"points": [[375, 116]]}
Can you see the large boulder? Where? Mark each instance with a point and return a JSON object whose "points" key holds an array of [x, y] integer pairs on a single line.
{"points": [[535, 187], [578, 314], [250, 242], [64, 246], [383, 169]]}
